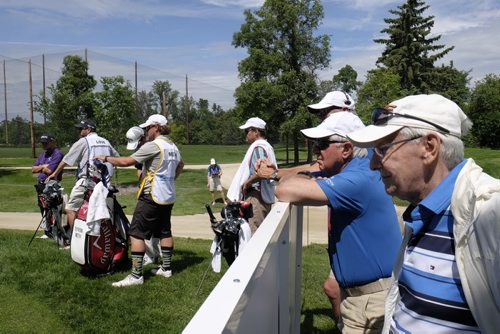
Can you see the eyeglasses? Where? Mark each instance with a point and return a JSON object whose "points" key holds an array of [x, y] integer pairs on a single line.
{"points": [[382, 115], [381, 151], [323, 144]]}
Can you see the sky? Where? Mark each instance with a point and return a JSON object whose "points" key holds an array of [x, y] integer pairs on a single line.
{"points": [[171, 39]]}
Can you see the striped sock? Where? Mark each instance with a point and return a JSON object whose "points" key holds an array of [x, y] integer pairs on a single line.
{"points": [[137, 258], [166, 253]]}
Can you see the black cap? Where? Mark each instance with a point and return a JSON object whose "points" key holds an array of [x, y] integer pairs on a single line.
{"points": [[86, 123], [45, 138]]}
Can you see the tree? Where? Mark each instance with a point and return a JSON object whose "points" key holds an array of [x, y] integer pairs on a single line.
{"points": [[72, 99], [380, 88], [346, 80], [171, 98], [409, 52], [279, 74], [451, 83], [115, 112], [484, 111], [146, 104]]}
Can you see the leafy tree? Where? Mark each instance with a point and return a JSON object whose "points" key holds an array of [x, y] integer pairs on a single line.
{"points": [[115, 112], [346, 80], [279, 74], [146, 104], [72, 99], [451, 83], [171, 98], [484, 111], [380, 88], [409, 51]]}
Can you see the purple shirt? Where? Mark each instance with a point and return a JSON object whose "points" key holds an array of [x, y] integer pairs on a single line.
{"points": [[52, 159]]}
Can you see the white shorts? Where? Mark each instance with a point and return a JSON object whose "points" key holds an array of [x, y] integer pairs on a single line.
{"points": [[214, 183], [75, 200]]}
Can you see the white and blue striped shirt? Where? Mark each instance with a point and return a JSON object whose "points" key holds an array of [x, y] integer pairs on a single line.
{"points": [[432, 297]]}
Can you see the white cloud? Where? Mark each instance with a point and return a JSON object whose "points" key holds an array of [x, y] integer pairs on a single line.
{"points": [[239, 3]]}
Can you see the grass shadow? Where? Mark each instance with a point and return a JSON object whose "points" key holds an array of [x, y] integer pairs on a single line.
{"points": [[309, 315]]}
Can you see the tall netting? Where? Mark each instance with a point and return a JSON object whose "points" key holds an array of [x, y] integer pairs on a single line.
{"points": [[46, 69]]}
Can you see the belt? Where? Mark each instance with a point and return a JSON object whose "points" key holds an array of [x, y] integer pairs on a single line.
{"points": [[372, 287]]}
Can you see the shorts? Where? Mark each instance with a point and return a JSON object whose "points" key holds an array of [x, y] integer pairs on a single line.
{"points": [[151, 219], [75, 200], [214, 183]]}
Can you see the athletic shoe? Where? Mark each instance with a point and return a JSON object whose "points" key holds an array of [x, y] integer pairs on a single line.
{"points": [[129, 280], [161, 272], [147, 260], [213, 203], [43, 236]]}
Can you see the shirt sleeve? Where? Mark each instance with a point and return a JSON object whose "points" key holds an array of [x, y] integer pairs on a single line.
{"points": [[56, 159], [343, 192], [37, 162], [258, 153], [146, 152], [75, 153]]}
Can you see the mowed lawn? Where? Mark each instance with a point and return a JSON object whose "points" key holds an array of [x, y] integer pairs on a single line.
{"points": [[42, 291]]}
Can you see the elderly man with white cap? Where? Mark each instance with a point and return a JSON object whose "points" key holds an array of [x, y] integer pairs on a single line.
{"points": [[246, 184], [332, 102], [162, 165], [446, 278], [363, 230]]}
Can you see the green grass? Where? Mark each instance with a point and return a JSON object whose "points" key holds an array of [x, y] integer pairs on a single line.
{"points": [[42, 291], [18, 194]]}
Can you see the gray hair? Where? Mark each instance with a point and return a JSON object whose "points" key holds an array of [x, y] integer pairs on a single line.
{"points": [[358, 152], [452, 148]]}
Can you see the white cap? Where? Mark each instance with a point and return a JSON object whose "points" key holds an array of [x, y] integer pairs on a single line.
{"points": [[433, 108], [254, 122], [134, 135], [336, 98], [212, 161], [340, 123], [154, 119]]}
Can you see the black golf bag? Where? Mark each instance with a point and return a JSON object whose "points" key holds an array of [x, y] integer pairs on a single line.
{"points": [[227, 230], [103, 249], [51, 203]]}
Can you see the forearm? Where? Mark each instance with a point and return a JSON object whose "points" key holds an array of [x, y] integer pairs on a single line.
{"points": [[301, 190], [285, 173], [118, 161], [179, 169], [59, 168]]}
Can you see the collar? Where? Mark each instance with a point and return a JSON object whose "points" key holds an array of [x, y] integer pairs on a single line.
{"points": [[436, 202]]}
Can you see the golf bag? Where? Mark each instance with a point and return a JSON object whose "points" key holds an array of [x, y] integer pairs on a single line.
{"points": [[51, 200], [100, 247], [227, 231]]}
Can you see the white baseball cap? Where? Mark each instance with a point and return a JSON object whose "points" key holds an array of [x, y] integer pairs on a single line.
{"points": [[336, 98], [212, 161], [254, 122], [340, 123], [432, 112], [134, 135], [154, 119]]}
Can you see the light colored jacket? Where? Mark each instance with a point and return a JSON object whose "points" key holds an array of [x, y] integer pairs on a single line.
{"points": [[475, 205]]}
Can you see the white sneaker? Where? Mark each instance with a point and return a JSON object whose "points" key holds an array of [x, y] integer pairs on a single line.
{"points": [[129, 280], [43, 236], [161, 272], [147, 260]]}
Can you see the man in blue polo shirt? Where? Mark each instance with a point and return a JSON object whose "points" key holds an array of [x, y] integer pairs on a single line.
{"points": [[363, 231], [447, 277]]}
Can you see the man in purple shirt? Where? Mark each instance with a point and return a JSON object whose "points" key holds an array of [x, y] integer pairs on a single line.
{"points": [[46, 162]]}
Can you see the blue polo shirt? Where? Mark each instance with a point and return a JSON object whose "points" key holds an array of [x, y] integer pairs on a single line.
{"points": [[363, 230], [432, 297]]}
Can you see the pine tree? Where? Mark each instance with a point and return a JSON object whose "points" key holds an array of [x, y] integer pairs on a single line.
{"points": [[410, 51]]}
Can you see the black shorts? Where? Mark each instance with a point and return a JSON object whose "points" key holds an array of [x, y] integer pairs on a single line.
{"points": [[151, 219]]}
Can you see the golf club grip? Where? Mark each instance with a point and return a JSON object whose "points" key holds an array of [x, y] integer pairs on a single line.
{"points": [[210, 213]]}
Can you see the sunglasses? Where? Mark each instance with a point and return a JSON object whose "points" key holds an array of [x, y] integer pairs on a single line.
{"points": [[323, 144], [381, 116], [247, 130]]}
